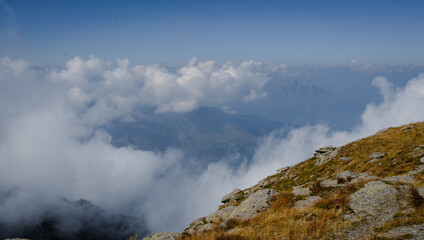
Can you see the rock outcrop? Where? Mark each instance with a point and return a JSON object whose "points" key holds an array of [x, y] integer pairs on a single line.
{"points": [[325, 154], [257, 202], [234, 195], [163, 236]]}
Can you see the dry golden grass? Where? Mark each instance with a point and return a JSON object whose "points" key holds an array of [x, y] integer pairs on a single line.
{"points": [[396, 142], [281, 220]]}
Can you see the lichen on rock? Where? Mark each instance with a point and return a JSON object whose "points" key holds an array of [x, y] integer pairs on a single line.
{"points": [[376, 200]]}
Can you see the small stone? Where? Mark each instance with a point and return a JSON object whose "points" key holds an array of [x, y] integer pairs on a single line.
{"points": [[421, 191], [422, 160], [347, 176], [364, 177], [299, 191], [263, 183], [291, 175], [377, 155], [283, 169], [345, 158], [350, 216], [407, 128], [308, 202], [331, 183], [418, 170]]}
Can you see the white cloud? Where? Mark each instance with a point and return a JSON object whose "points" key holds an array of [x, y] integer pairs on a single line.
{"points": [[50, 143]]}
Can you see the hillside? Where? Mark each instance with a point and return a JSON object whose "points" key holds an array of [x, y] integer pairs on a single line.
{"points": [[371, 188]]}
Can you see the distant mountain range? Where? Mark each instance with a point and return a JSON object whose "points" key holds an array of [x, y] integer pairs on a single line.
{"points": [[206, 133]]}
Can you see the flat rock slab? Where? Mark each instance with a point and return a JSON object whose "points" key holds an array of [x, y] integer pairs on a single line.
{"points": [[163, 236], [257, 202], [417, 231], [400, 179], [376, 200]]}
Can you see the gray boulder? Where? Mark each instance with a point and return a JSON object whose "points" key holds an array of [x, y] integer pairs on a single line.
{"points": [[208, 223], [257, 202], [325, 154], [347, 176], [301, 191], [163, 236], [377, 200], [230, 196], [222, 214], [198, 226]]}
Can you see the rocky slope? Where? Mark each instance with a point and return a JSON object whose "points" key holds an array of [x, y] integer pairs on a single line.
{"points": [[372, 188]]}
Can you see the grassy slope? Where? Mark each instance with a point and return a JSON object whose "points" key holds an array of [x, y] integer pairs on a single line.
{"points": [[324, 220]]}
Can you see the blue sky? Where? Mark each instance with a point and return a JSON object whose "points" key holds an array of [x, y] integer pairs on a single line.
{"points": [[171, 32]]}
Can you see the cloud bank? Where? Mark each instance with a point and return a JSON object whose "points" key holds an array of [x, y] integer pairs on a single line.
{"points": [[52, 144]]}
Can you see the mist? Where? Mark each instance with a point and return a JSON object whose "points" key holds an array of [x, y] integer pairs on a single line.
{"points": [[53, 146]]}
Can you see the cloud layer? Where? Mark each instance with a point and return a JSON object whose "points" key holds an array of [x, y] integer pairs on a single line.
{"points": [[51, 143]]}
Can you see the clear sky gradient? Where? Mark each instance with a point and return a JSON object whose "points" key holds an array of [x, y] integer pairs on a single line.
{"points": [[49, 32]]}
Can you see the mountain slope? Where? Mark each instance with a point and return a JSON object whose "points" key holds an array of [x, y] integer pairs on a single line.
{"points": [[368, 189]]}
